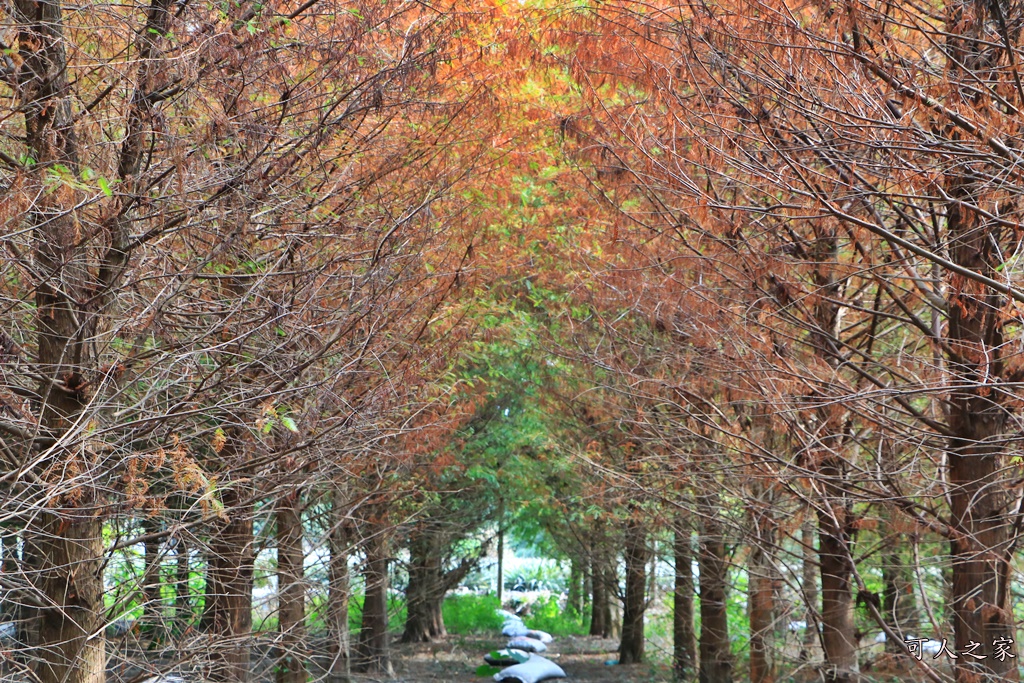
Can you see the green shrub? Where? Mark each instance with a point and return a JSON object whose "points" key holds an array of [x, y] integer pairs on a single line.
{"points": [[546, 615], [471, 614]]}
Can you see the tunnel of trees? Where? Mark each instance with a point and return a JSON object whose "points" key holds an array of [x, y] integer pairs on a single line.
{"points": [[315, 313]]}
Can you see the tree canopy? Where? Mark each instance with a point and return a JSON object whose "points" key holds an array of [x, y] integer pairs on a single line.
{"points": [[361, 294]]}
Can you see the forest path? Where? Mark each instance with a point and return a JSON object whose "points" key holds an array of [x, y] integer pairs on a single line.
{"points": [[455, 659], [451, 660]]}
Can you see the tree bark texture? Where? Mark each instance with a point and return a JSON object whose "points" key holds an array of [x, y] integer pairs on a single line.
{"points": [[372, 654], [66, 540], [227, 612], [426, 590], [837, 625], [600, 607], [70, 573], [980, 498], [637, 554], [716, 661], [76, 275], [153, 624], [762, 580], [291, 591], [684, 653]]}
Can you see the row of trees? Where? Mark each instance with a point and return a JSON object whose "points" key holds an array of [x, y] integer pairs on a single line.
{"points": [[382, 276], [233, 256], [809, 299]]}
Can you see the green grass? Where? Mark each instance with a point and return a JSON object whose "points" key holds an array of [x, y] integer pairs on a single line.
{"points": [[478, 615], [545, 615], [463, 615], [471, 615]]}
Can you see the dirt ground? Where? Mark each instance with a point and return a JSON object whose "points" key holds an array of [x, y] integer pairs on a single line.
{"points": [[583, 658], [455, 661], [452, 660], [456, 658]]}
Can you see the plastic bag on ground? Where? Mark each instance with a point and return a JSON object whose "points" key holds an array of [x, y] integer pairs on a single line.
{"points": [[513, 629], [537, 669], [527, 644], [542, 636]]}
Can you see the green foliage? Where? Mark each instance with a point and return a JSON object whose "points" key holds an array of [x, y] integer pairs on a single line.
{"points": [[546, 615], [478, 615], [737, 613], [658, 629], [471, 614]]}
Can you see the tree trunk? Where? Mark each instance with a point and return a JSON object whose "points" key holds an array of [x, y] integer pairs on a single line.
{"points": [[631, 647], [981, 569], [761, 586], [71, 574], [27, 629], [501, 565], [614, 604], [417, 628], [227, 611], [715, 649], [588, 580], [291, 591], [372, 650], [338, 593], [835, 514], [837, 626], [976, 409], [153, 625], [425, 593], [67, 540], [684, 654], [574, 600], [600, 607], [809, 587], [70, 297]]}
